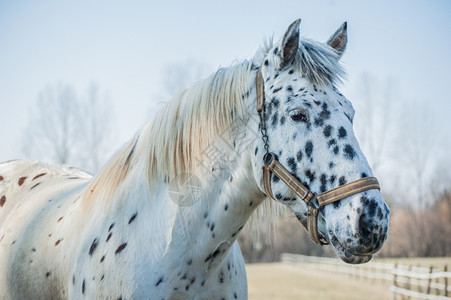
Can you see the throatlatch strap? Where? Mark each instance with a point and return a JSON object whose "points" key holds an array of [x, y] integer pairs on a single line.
{"points": [[267, 181], [349, 189], [312, 224]]}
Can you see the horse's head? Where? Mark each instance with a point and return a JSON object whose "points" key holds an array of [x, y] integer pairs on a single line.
{"points": [[310, 132]]}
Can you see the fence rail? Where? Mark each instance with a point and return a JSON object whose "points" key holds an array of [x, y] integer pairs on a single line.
{"points": [[406, 282]]}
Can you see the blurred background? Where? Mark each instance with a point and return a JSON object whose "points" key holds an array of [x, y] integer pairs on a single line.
{"points": [[79, 78]]}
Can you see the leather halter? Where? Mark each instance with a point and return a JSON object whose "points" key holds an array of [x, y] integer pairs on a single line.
{"points": [[314, 202]]}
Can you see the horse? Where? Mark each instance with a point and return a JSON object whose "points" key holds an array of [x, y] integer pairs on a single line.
{"points": [[161, 219]]}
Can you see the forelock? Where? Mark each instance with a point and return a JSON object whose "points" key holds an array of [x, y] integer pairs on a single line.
{"points": [[318, 62]]}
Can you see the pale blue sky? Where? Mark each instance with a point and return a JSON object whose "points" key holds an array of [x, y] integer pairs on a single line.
{"points": [[123, 46]]}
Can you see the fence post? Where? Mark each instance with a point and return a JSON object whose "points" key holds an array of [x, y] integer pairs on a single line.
{"points": [[437, 288], [446, 280], [420, 287], [429, 281], [408, 286], [394, 281]]}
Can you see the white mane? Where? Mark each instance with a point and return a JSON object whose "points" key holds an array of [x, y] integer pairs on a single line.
{"points": [[173, 142]]}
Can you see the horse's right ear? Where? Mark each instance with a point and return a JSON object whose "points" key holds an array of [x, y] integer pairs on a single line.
{"points": [[339, 39], [289, 45]]}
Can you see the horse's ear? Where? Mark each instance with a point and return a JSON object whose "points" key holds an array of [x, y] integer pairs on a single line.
{"points": [[339, 39], [289, 45]]}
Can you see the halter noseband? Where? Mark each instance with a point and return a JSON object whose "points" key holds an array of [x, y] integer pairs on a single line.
{"points": [[314, 202]]}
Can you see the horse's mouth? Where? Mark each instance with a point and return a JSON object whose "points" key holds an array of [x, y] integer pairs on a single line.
{"points": [[346, 255]]}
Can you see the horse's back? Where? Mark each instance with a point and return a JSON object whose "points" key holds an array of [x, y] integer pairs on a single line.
{"points": [[20, 181], [32, 195]]}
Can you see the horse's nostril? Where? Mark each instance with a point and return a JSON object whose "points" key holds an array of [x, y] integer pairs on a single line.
{"points": [[366, 232]]}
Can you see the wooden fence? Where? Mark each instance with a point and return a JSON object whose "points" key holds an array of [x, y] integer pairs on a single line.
{"points": [[405, 282]]}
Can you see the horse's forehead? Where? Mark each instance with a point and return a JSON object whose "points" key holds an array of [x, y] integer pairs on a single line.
{"points": [[295, 88]]}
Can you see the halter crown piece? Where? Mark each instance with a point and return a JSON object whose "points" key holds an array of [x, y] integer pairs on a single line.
{"points": [[314, 202]]}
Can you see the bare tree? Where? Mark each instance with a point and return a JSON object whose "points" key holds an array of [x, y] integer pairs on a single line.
{"points": [[51, 131], [178, 76], [97, 128], [417, 152], [67, 129], [376, 119]]}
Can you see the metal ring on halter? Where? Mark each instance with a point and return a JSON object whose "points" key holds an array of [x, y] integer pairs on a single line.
{"points": [[268, 158]]}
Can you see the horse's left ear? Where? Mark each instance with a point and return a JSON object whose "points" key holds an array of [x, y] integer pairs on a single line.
{"points": [[289, 45], [339, 39]]}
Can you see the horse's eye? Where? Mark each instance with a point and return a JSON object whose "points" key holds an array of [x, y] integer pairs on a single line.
{"points": [[299, 115]]}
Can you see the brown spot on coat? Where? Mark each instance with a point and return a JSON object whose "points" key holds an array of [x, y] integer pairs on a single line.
{"points": [[35, 186], [60, 219], [1, 178], [57, 242], [39, 175], [120, 248], [21, 180], [2, 200]]}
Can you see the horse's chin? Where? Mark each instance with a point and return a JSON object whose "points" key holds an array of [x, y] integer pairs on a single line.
{"points": [[346, 255]]}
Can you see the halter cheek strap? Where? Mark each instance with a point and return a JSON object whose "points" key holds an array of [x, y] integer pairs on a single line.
{"points": [[314, 202]]}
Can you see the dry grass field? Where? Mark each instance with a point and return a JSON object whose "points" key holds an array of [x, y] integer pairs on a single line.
{"points": [[283, 281], [286, 282], [436, 262]]}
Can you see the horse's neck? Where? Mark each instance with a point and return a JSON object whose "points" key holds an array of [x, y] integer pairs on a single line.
{"points": [[200, 233], [209, 227], [203, 233]]}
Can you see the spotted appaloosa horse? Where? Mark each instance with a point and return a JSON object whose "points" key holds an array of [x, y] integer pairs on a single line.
{"points": [[65, 235]]}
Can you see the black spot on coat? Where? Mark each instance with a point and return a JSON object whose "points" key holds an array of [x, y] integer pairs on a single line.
{"points": [[349, 152], [342, 133], [132, 218], [310, 175], [309, 148], [160, 280], [291, 163], [275, 118], [323, 180], [94, 244], [327, 131], [299, 155], [342, 180]]}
